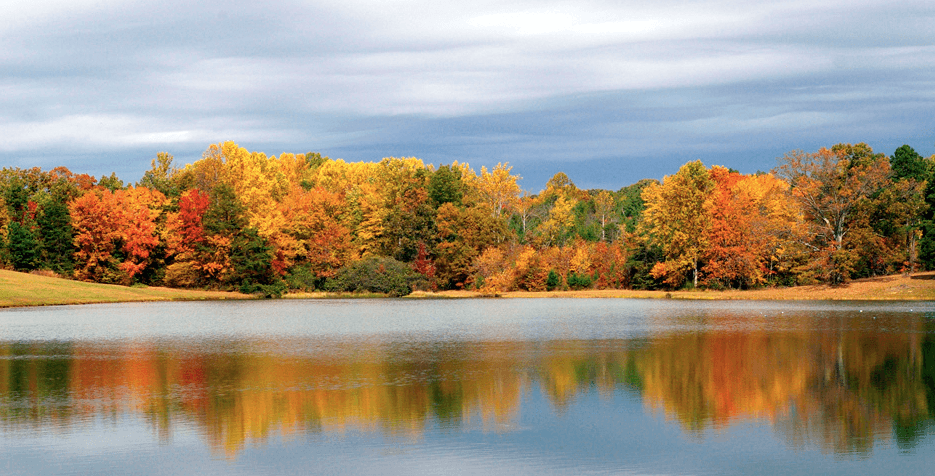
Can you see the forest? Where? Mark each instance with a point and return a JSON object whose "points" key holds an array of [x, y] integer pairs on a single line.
{"points": [[269, 225]]}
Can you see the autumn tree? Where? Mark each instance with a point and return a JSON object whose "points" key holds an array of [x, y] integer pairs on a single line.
{"points": [[463, 234], [604, 206], [317, 239], [497, 189], [678, 218], [561, 221], [161, 175], [750, 219], [408, 218], [834, 187], [97, 220], [525, 211], [140, 208]]}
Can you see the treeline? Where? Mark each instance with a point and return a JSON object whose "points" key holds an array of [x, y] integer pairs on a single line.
{"points": [[242, 220]]}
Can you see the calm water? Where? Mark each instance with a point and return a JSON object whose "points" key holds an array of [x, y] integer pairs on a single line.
{"points": [[548, 386]]}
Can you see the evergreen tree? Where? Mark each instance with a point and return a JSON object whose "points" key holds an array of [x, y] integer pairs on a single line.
{"points": [[21, 246], [57, 236]]}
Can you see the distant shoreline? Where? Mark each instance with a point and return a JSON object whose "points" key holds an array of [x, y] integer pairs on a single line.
{"points": [[917, 287], [27, 290]]}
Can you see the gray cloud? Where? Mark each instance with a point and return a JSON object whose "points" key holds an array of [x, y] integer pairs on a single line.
{"points": [[607, 91]]}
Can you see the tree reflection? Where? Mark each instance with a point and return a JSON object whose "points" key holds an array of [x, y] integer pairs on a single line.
{"points": [[841, 390]]}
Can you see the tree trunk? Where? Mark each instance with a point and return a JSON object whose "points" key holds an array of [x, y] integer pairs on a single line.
{"points": [[695, 274]]}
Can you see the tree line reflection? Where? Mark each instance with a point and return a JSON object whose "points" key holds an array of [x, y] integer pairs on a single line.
{"points": [[841, 390]]}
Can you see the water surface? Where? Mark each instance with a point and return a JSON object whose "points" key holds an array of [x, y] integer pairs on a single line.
{"points": [[522, 386]]}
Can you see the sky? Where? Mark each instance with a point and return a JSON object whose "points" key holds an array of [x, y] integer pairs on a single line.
{"points": [[607, 92]]}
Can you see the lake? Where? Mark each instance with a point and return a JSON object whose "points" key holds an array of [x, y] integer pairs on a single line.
{"points": [[479, 386]]}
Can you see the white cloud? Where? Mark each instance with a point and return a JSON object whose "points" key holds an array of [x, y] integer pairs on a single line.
{"points": [[113, 131], [110, 74]]}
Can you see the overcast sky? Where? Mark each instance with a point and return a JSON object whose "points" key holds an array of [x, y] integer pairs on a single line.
{"points": [[608, 92]]}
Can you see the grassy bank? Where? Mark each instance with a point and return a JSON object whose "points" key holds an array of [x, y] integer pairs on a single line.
{"points": [[918, 287], [21, 289]]}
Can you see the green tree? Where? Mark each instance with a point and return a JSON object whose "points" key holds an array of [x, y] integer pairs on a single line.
{"points": [[315, 159], [161, 176], [446, 186], [907, 163], [57, 236], [225, 215], [630, 204], [112, 183], [22, 247], [252, 265]]}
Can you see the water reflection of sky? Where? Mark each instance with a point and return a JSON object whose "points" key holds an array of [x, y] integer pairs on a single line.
{"points": [[482, 386]]}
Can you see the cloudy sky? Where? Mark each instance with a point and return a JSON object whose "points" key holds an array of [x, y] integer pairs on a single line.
{"points": [[608, 92]]}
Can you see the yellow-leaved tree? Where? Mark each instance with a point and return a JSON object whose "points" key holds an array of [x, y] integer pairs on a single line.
{"points": [[677, 218]]}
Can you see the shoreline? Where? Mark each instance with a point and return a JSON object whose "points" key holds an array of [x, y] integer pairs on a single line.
{"points": [[20, 290]]}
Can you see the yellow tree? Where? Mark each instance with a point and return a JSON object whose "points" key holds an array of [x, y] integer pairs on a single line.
{"points": [[561, 220], [677, 218], [291, 169], [603, 206], [497, 189], [255, 185]]}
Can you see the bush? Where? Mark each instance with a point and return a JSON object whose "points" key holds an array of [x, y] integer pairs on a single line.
{"points": [[301, 278], [376, 275], [576, 281], [182, 275], [274, 290]]}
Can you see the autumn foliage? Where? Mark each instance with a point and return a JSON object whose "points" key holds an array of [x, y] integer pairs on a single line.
{"points": [[243, 220]]}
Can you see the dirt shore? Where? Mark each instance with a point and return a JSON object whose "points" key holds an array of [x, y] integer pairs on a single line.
{"points": [[917, 287]]}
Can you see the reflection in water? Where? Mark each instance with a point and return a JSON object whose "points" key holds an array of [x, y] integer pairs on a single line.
{"points": [[840, 390]]}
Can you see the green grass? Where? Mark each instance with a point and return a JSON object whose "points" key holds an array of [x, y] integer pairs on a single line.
{"points": [[21, 289]]}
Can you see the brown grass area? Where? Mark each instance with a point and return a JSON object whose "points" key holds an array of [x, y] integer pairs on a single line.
{"points": [[21, 289], [919, 286]]}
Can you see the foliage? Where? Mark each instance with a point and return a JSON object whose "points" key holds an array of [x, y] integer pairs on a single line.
{"points": [[446, 186], [678, 219], [553, 280], [242, 219], [21, 246], [834, 188], [376, 275]]}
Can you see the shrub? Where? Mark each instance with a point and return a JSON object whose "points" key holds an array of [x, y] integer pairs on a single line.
{"points": [[182, 275], [302, 278], [578, 281], [274, 290], [376, 275]]}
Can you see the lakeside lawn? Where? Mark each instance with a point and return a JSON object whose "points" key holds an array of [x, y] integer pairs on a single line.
{"points": [[21, 289]]}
